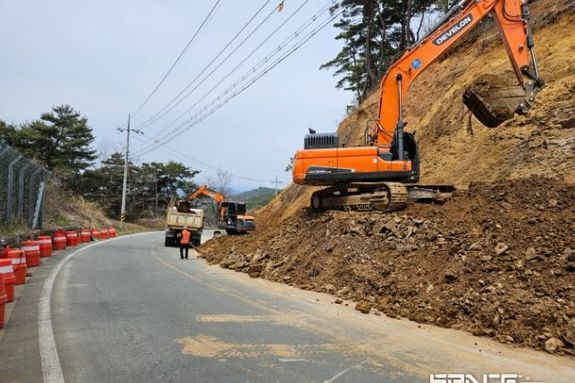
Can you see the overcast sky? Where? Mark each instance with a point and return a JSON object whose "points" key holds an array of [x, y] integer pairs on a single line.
{"points": [[104, 58]]}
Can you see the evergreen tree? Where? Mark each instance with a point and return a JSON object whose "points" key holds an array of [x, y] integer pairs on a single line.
{"points": [[67, 139], [8, 133], [60, 141], [150, 186], [374, 33], [103, 185]]}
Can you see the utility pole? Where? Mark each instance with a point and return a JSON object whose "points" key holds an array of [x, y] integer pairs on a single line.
{"points": [[126, 162], [276, 183]]}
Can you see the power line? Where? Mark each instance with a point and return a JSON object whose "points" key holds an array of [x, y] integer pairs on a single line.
{"points": [[281, 48], [196, 34], [172, 151], [206, 111], [159, 114], [233, 70]]}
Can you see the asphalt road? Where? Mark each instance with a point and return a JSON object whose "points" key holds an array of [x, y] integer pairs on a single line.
{"points": [[129, 310]]}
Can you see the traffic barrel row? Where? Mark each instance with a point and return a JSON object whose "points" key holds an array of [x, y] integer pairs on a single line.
{"points": [[14, 268]]}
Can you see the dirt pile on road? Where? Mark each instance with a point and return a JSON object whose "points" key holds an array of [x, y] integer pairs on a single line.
{"points": [[497, 260]]}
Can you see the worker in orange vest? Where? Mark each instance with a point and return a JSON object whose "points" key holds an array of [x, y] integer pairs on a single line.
{"points": [[185, 242]]}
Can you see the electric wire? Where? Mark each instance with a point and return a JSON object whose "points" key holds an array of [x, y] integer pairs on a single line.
{"points": [[206, 111], [182, 53], [280, 48], [161, 113], [285, 42], [171, 150]]}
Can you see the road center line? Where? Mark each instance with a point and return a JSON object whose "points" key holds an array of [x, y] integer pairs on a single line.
{"points": [[51, 367]]}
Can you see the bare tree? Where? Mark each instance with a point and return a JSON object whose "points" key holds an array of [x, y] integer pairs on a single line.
{"points": [[220, 182]]}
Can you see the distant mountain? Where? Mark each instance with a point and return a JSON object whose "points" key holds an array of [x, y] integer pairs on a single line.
{"points": [[256, 198]]}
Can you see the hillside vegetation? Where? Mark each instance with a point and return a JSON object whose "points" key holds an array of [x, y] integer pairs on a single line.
{"points": [[256, 198]]}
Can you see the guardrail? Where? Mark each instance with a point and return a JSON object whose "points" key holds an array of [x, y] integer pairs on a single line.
{"points": [[22, 189]]}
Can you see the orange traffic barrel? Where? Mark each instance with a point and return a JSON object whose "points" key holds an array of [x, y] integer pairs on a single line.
{"points": [[112, 232], [9, 278], [2, 300], [72, 238], [45, 243], [96, 234], [59, 240], [19, 264], [32, 251], [85, 236], [104, 234]]}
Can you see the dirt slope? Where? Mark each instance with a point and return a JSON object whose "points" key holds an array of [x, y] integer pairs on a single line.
{"points": [[498, 260], [457, 151], [64, 210]]}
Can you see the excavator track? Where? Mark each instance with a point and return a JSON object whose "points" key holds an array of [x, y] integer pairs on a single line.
{"points": [[383, 196], [380, 196]]}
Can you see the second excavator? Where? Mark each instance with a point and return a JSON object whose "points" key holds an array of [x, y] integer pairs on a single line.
{"points": [[231, 214], [384, 174]]}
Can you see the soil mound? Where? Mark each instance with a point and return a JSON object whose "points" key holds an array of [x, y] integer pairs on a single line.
{"points": [[497, 260]]}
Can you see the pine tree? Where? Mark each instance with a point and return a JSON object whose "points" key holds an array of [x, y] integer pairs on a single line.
{"points": [[374, 33], [67, 137]]}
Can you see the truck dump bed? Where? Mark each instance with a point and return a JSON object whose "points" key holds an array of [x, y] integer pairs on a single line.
{"points": [[194, 219]]}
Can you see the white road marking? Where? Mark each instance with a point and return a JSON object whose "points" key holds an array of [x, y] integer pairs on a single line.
{"points": [[340, 374], [51, 368], [284, 360]]}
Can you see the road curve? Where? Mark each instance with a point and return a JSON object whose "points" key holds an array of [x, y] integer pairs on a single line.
{"points": [[130, 310]]}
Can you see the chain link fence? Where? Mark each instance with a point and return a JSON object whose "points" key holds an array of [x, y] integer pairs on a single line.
{"points": [[22, 189]]}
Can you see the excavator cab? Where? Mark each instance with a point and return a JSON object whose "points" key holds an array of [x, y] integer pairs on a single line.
{"points": [[233, 218]]}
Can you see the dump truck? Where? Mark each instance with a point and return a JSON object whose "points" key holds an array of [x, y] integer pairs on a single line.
{"points": [[180, 214]]}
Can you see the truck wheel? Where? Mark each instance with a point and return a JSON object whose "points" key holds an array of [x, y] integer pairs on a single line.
{"points": [[231, 232]]}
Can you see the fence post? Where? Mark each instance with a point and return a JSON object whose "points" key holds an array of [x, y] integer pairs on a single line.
{"points": [[11, 187], [41, 219], [32, 187], [39, 201], [21, 188]]}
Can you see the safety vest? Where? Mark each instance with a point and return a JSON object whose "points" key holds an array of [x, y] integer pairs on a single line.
{"points": [[186, 235]]}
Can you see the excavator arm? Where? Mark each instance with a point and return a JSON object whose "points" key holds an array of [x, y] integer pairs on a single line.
{"points": [[205, 191], [511, 18]]}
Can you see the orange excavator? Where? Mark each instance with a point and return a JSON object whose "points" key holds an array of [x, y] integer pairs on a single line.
{"points": [[231, 214], [384, 174]]}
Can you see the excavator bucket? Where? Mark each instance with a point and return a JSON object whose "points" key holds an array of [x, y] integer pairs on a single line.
{"points": [[492, 101]]}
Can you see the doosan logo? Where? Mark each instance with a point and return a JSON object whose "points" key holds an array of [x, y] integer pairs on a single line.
{"points": [[454, 30]]}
